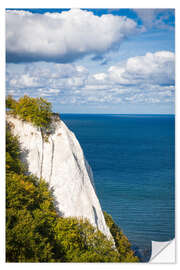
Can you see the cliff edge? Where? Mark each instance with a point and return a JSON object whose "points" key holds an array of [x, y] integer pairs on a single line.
{"points": [[58, 158]]}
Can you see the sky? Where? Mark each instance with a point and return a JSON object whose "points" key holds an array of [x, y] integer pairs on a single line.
{"points": [[119, 61]]}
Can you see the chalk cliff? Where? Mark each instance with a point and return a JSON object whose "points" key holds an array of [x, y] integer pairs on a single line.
{"points": [[59, 159]]}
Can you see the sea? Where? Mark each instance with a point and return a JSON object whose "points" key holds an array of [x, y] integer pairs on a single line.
{"points": [[133, 162]]}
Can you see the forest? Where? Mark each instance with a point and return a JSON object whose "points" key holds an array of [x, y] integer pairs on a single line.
{"points": [[34, 230]]}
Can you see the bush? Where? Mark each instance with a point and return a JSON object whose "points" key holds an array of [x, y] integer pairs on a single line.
{"points": [[10, 103], [123, 246], [30, 213], [13, 162], [34, 110], [82, 242], [35, 232]]}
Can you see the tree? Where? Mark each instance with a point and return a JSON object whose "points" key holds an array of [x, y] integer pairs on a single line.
{"points": [[122, 243], [10, 103], [82, 242], [34, 110], [34, 231], [30, 218], [30, 212], [13, 162]]}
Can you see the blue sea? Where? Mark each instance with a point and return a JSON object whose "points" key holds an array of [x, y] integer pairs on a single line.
{"points": [[133, 160]]}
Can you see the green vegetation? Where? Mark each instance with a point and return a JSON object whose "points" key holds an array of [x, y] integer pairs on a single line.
{"points": [[10, 103], [35, 232], [123, 246], [13, 162], [34, 110]]}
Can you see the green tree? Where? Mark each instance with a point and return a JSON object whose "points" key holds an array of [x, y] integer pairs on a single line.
{"points": [[82, 242], [34, 231], [10, 103], [30, 217], [13, 162], [122, 243], [30, 212], [34, 110]]}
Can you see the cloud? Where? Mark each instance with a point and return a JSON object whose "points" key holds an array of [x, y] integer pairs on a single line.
{"points": [[153, 68], [63, 37], [141, 79], [44, 79], [160, 18]]}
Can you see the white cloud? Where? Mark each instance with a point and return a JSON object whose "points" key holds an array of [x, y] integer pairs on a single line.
{"points": [[63, 37], [153, 68], [100, 76], [141, 79], [23, 81], [76, 82]]}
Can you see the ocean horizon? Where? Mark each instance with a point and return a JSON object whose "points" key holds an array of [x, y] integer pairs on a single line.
{"points": [[133, 158], [123, 114]]}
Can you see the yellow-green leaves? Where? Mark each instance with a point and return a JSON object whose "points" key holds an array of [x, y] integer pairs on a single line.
{"points": [[82, 242], [123, 246], [35, 232], [34, 110], [10, 102]]}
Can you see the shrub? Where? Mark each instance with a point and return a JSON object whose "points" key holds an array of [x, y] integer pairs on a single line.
{"points": [[13, 162], [34, 110], [35, 232], [10, 103], [122, 243]]}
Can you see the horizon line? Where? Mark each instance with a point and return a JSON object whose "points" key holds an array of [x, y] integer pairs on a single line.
{"points": [[121, 113]]}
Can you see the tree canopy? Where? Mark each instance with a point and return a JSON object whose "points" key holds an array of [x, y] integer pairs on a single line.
{"points": [[34, 110], [122, 243], [34, 230]]}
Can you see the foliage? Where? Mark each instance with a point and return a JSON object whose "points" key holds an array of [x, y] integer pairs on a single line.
{"points": [[123, 246], [34, 110], [10, 102], [35, 232], [30, 219], [30, 213], [13, 162], [84, 243]]}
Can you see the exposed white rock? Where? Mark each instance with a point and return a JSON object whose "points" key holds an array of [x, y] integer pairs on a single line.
{"points": [[61, 162]]}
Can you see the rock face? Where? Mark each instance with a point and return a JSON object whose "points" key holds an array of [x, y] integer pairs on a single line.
{"points": [[59, 159]]}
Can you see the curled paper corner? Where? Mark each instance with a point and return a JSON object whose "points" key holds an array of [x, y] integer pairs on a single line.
{"points": [[163, 252]]}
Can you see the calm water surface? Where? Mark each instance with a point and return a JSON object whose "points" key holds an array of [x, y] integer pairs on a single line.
{"points": [[132, 158]]}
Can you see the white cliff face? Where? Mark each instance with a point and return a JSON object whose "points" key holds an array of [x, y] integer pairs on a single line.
{"points": [[61, 162]]}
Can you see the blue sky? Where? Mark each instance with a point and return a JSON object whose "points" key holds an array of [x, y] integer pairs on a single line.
{"points": [[93, 60]]}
